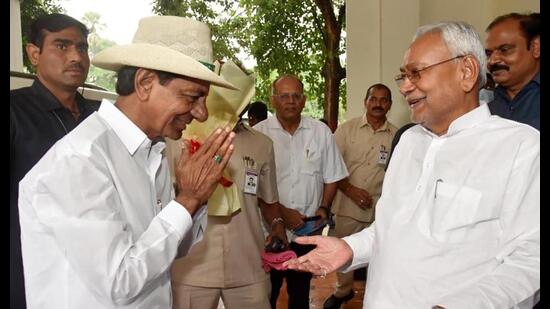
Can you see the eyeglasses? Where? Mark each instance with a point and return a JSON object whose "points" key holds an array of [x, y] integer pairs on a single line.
{"points": [[286, 96], [414, 75]]}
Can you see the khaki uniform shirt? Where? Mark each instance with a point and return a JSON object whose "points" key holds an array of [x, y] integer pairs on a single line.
{"points": [[229, 253], [360, 147]]}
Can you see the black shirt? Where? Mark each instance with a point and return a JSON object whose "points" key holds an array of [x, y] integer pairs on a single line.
{"points": [[524, 107], [37, 121]]}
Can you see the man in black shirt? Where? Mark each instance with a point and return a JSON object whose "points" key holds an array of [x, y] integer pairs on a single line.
{"points": [[44, 112], [513, 58]]}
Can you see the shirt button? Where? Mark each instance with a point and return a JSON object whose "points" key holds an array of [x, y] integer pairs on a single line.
{"points": [[418, 188]]}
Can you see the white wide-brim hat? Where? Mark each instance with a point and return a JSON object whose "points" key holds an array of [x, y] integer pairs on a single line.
{"points": [[172, 44]]}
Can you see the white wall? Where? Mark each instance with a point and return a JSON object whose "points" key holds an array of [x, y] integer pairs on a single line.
{"points": [[379, 32]]}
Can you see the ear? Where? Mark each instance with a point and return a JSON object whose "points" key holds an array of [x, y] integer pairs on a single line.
{"points": [[33, 52], [535, 47], [143, 83], [469, 72]]}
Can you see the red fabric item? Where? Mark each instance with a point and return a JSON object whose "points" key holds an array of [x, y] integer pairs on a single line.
{"points": [[195, 145], [276, 260]]}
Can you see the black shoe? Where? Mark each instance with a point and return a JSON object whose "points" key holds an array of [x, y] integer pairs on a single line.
{"points": [[334, 302]]}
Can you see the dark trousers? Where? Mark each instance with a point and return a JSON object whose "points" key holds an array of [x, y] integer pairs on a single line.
{"points": [[297, 282]]}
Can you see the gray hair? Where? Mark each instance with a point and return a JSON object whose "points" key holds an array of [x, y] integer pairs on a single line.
{"points": [[461, 39]]}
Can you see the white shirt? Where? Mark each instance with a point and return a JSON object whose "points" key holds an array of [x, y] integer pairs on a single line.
{"points": [[305, 162], [457, 224], [99, 228]]}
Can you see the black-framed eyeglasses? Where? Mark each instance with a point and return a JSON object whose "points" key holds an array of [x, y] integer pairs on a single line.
{"points": [[287, 96], [414, 75]]}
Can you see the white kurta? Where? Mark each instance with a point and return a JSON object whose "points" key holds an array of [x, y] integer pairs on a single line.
{"points": [[99, 228], [458, 222]]}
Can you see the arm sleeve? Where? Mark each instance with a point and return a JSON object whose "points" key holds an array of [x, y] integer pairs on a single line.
{"points": [[82, 208], [517, 276], [268, 178], [361, 244], [340, 139], [335, 168]]}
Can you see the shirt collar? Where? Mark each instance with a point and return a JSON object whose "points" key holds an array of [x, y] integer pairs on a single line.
{"points": [[241, 126], [502, 90], [130, 134], [49, 102], [466, 121], [273, 123], [364, 122], [536, 79]]}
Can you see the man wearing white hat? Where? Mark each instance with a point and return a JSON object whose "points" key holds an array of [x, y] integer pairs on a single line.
{"points": [[100, 223]]}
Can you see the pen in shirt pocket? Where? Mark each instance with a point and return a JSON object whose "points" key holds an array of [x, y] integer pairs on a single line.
{"points": [[436, 183]]}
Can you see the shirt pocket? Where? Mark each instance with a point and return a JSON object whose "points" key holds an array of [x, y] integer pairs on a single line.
{"points": [[312, 160], [458, 215]]}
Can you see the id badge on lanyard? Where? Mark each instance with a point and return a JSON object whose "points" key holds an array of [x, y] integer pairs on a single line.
{"points": [[250, 176], [382, 156], [250, 182]]}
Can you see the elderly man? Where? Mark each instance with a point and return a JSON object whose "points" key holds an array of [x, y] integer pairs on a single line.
{"points": [[100, 225], [43, 113], [364, 143], [513, 52], [308, 169], [457, 225]]}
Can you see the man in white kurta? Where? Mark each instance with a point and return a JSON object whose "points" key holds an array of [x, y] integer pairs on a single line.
{"points": [[457, 225], [75, 219], [466, 232], [100, 224]]}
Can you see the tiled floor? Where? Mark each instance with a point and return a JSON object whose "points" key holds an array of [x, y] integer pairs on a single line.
{"points": [[321, 289]]}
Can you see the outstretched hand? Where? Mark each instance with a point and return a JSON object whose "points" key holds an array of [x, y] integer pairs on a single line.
{"points": [[330, 255], [197, 174]]}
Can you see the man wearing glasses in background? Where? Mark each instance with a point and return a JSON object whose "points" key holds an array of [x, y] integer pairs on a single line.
{"points": [[458, 222], [309, 166]]}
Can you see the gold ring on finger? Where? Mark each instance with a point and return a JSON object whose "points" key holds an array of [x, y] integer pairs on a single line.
{"points": [[217, 158]]}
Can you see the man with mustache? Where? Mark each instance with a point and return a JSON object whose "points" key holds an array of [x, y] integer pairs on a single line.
{"points": [[309, 166], [364, 143], [44, 112], [100, 222], [458, 221], [513, 58]]}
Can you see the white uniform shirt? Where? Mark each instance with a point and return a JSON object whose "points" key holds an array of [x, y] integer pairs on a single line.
{"points": [[99, 228], [457, 224], [305, 161]]}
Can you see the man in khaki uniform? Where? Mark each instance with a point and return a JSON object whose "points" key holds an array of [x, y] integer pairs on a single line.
{"points": [[364, 143], [227, 262]]}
